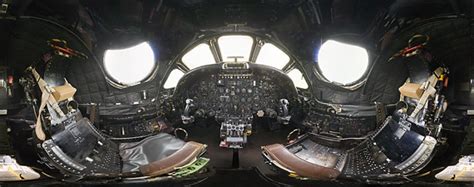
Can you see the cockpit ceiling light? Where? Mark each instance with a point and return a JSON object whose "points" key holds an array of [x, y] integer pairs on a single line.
{"points": [[130, 66], [342, 63]]}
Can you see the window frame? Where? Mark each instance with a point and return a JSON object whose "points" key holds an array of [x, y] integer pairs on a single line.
{"points": [[258, 41]]}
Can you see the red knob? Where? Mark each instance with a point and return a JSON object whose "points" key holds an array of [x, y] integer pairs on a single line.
{"points": [[10, 80]]}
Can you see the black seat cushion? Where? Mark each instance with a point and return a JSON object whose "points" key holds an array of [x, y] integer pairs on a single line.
{"points": [[148, 150]]}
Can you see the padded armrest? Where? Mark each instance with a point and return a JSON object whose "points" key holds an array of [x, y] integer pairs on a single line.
{"points": [[411, 90], [184, 156], [285, 158]]}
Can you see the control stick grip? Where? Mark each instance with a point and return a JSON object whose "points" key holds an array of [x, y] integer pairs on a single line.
{"points": [[187, 108], [186, 117], [284, 117], [284, 106]]}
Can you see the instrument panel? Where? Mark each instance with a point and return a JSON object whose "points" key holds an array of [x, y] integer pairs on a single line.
{"points": [[233, 95], [223, 93], [238, 95]]}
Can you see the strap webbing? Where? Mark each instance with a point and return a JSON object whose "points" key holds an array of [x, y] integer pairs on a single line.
{"points": [[46, 98]]}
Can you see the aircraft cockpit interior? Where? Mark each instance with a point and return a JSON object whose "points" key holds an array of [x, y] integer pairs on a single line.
{"points": [[237, 92]]}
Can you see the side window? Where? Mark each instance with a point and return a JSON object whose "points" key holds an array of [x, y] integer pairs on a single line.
{"points": [[173, 79], [130, 66], [198, 56], [271, 55], [342, 63], [298, 79]]}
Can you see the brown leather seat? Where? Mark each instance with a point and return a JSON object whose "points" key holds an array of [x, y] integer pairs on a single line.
{"points": [[288, 160], [184, 156]]}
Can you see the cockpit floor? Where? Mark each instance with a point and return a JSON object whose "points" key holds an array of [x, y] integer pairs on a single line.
{"points": [[237, 178]]}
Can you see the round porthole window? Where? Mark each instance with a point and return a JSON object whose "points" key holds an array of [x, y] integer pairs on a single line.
{"points": [[130, 66], [342, 63]]}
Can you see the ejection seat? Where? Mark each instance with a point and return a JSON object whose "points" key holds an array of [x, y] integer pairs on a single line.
{"points": [[305, 159], [159, 154], [70, 143]]}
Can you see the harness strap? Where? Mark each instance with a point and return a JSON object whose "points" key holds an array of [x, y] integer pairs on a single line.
{"points": [[46, 98]]}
